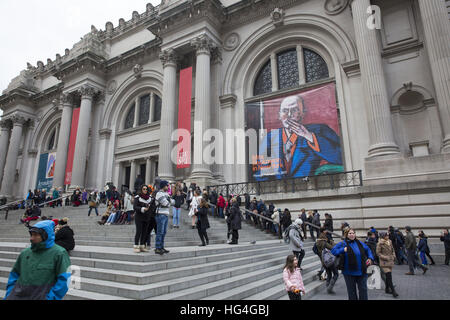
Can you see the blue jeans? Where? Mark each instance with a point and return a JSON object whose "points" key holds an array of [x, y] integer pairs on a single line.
{"points": [[176, 216], [112, 218], [352, 282], [161, 225], [221, 212], [423, 257], [90, 209]]}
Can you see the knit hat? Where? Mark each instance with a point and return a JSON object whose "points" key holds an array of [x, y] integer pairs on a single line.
{"points": [[163, 184], [299, 222], [382, 234]]}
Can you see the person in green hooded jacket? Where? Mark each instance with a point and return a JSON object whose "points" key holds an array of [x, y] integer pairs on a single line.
{"points": [[42, 271]]}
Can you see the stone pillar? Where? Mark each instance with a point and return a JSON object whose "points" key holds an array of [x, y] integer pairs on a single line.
{"points": [[201, 172], [11, 157], [24, 171], [381, 134], [169, 60], [148, 172], [81, 145], [5, 127], [136, 112], [152, 108], [63, 141], [132, 175], [437, 40], [104, 135]]}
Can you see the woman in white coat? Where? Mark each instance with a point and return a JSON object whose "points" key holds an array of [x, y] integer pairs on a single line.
{"points": [[195, 203]]}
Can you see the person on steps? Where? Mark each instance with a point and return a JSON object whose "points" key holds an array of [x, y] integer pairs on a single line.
{"points": [[203, 222]]}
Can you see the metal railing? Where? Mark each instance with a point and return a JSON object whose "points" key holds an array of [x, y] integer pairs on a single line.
{"points": [[320, 182]]}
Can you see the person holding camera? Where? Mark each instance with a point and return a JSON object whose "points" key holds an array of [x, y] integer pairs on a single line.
{"points": [[164, 202]]}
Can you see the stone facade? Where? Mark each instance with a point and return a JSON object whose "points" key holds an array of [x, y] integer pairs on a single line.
{"points": [[392, 88]]}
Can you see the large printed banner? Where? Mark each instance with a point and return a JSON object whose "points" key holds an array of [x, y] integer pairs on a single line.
{"points": [[45, 171], [302, 137], [184, 118], [72, 141]]}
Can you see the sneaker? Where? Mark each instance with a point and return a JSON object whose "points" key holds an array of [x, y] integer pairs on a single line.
{"points": [[165, 251], [159, 251], [136, 249], [425, 269]]}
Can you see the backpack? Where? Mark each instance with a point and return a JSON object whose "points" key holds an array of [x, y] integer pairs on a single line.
{"points": [[328, 258], [286, 237], [315, 250], [153, 208]]}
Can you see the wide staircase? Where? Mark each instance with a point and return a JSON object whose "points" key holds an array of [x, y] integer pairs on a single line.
{"points": [[106, 268]]}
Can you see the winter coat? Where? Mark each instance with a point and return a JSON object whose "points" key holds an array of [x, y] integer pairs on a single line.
{"points": [[179, 200], [323, 243], [41, 271], [303, 217], [328, 225], [163, 200], [235, 218], [386, 255], [139, 206], [194, 204], [213, 197], [295, 243], [316, 219], [423, 245], [202, 221], [221, 202], [339, 249], [410, 242], [276, 217], [128, 202], [65, 238], [293, 279], [372, 244], [446, 240]]}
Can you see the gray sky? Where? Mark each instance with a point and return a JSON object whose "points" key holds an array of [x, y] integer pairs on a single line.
{"points": [[33, 30]]}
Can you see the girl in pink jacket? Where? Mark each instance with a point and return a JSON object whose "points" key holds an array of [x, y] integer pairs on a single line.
{"points": [[293, 279]]}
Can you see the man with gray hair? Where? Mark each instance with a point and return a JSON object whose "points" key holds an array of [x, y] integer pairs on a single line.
{"points": [[411, 246], [298, 150]]}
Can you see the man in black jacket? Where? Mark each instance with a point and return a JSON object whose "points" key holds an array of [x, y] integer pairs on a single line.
{"points": [[445, 237], [213, 200], [328, 225], [304, 219]]}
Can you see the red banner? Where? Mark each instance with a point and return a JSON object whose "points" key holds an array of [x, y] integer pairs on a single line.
{"points": [[184, 119], [71, 151]]}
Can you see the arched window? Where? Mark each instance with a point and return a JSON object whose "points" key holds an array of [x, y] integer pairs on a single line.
{"points": [[288, 70], [263, 83], [144, 109], [129, 120], [158, 107]]}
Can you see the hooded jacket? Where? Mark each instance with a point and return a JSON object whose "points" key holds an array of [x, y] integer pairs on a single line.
{"points": [[41, 272]]}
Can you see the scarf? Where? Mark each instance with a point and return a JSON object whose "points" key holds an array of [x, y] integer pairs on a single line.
{"points": [[352, 264], [145, 196]]}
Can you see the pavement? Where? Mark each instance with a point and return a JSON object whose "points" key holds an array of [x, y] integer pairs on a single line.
{"points": [[434, 285]]}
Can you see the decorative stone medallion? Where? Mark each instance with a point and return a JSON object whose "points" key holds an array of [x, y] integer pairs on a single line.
{"points": [[232, 41], [334, 7]]}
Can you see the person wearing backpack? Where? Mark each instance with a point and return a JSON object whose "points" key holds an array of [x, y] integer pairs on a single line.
{"points": [[324, 247], [296, 241], [356, 258]]}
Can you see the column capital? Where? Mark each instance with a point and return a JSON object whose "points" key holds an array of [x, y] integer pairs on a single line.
{"points": [[203, 45], [169, 57], [87, 92], [5, 124], [105, 133], [66, 99], [18, 120]]}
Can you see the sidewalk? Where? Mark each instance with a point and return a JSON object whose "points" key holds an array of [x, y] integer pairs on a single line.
{"points": [[434, 285]]}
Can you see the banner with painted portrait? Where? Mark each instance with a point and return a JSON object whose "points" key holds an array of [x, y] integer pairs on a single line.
{"points": [[298, 135]]}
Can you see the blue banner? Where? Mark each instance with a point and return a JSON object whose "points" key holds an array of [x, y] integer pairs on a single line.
{"points": [[42, 181]]}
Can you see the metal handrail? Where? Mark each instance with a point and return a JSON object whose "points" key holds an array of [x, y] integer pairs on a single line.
{"points": [[11, 203]]}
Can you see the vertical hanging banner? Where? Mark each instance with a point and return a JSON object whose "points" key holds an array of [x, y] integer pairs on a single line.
{"points": [[44, 180], [184, 119], [50, 172], [71, 151]]}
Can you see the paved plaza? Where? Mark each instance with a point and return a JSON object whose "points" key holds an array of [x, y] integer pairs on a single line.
{"points": [[434, 285]]}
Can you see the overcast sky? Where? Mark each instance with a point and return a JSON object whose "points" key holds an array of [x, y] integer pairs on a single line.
{"points": [[33, 30]]}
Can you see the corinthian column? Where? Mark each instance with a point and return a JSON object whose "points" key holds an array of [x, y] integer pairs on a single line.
{"points": [[81, 145], [11, 158], [437, 40], [169, 60], [5, 129], [381, 135], [63, 140], [201, 172]]}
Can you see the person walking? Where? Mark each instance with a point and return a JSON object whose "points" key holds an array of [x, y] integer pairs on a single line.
{"points": [[411, 247], [304, 219], [203, 222], [179, 200], [235, 221], [316, 222], [141, 207], [64, 237], [164, 202], [309, 219], [292, 278], [324, 243], [400, 239], [221, 206], [296, 241], [427, 248], [93, 204], [41, 271], [357, 257], [328, 225], [386, 256], [422, 248], [445, 238], [194, 207]]}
